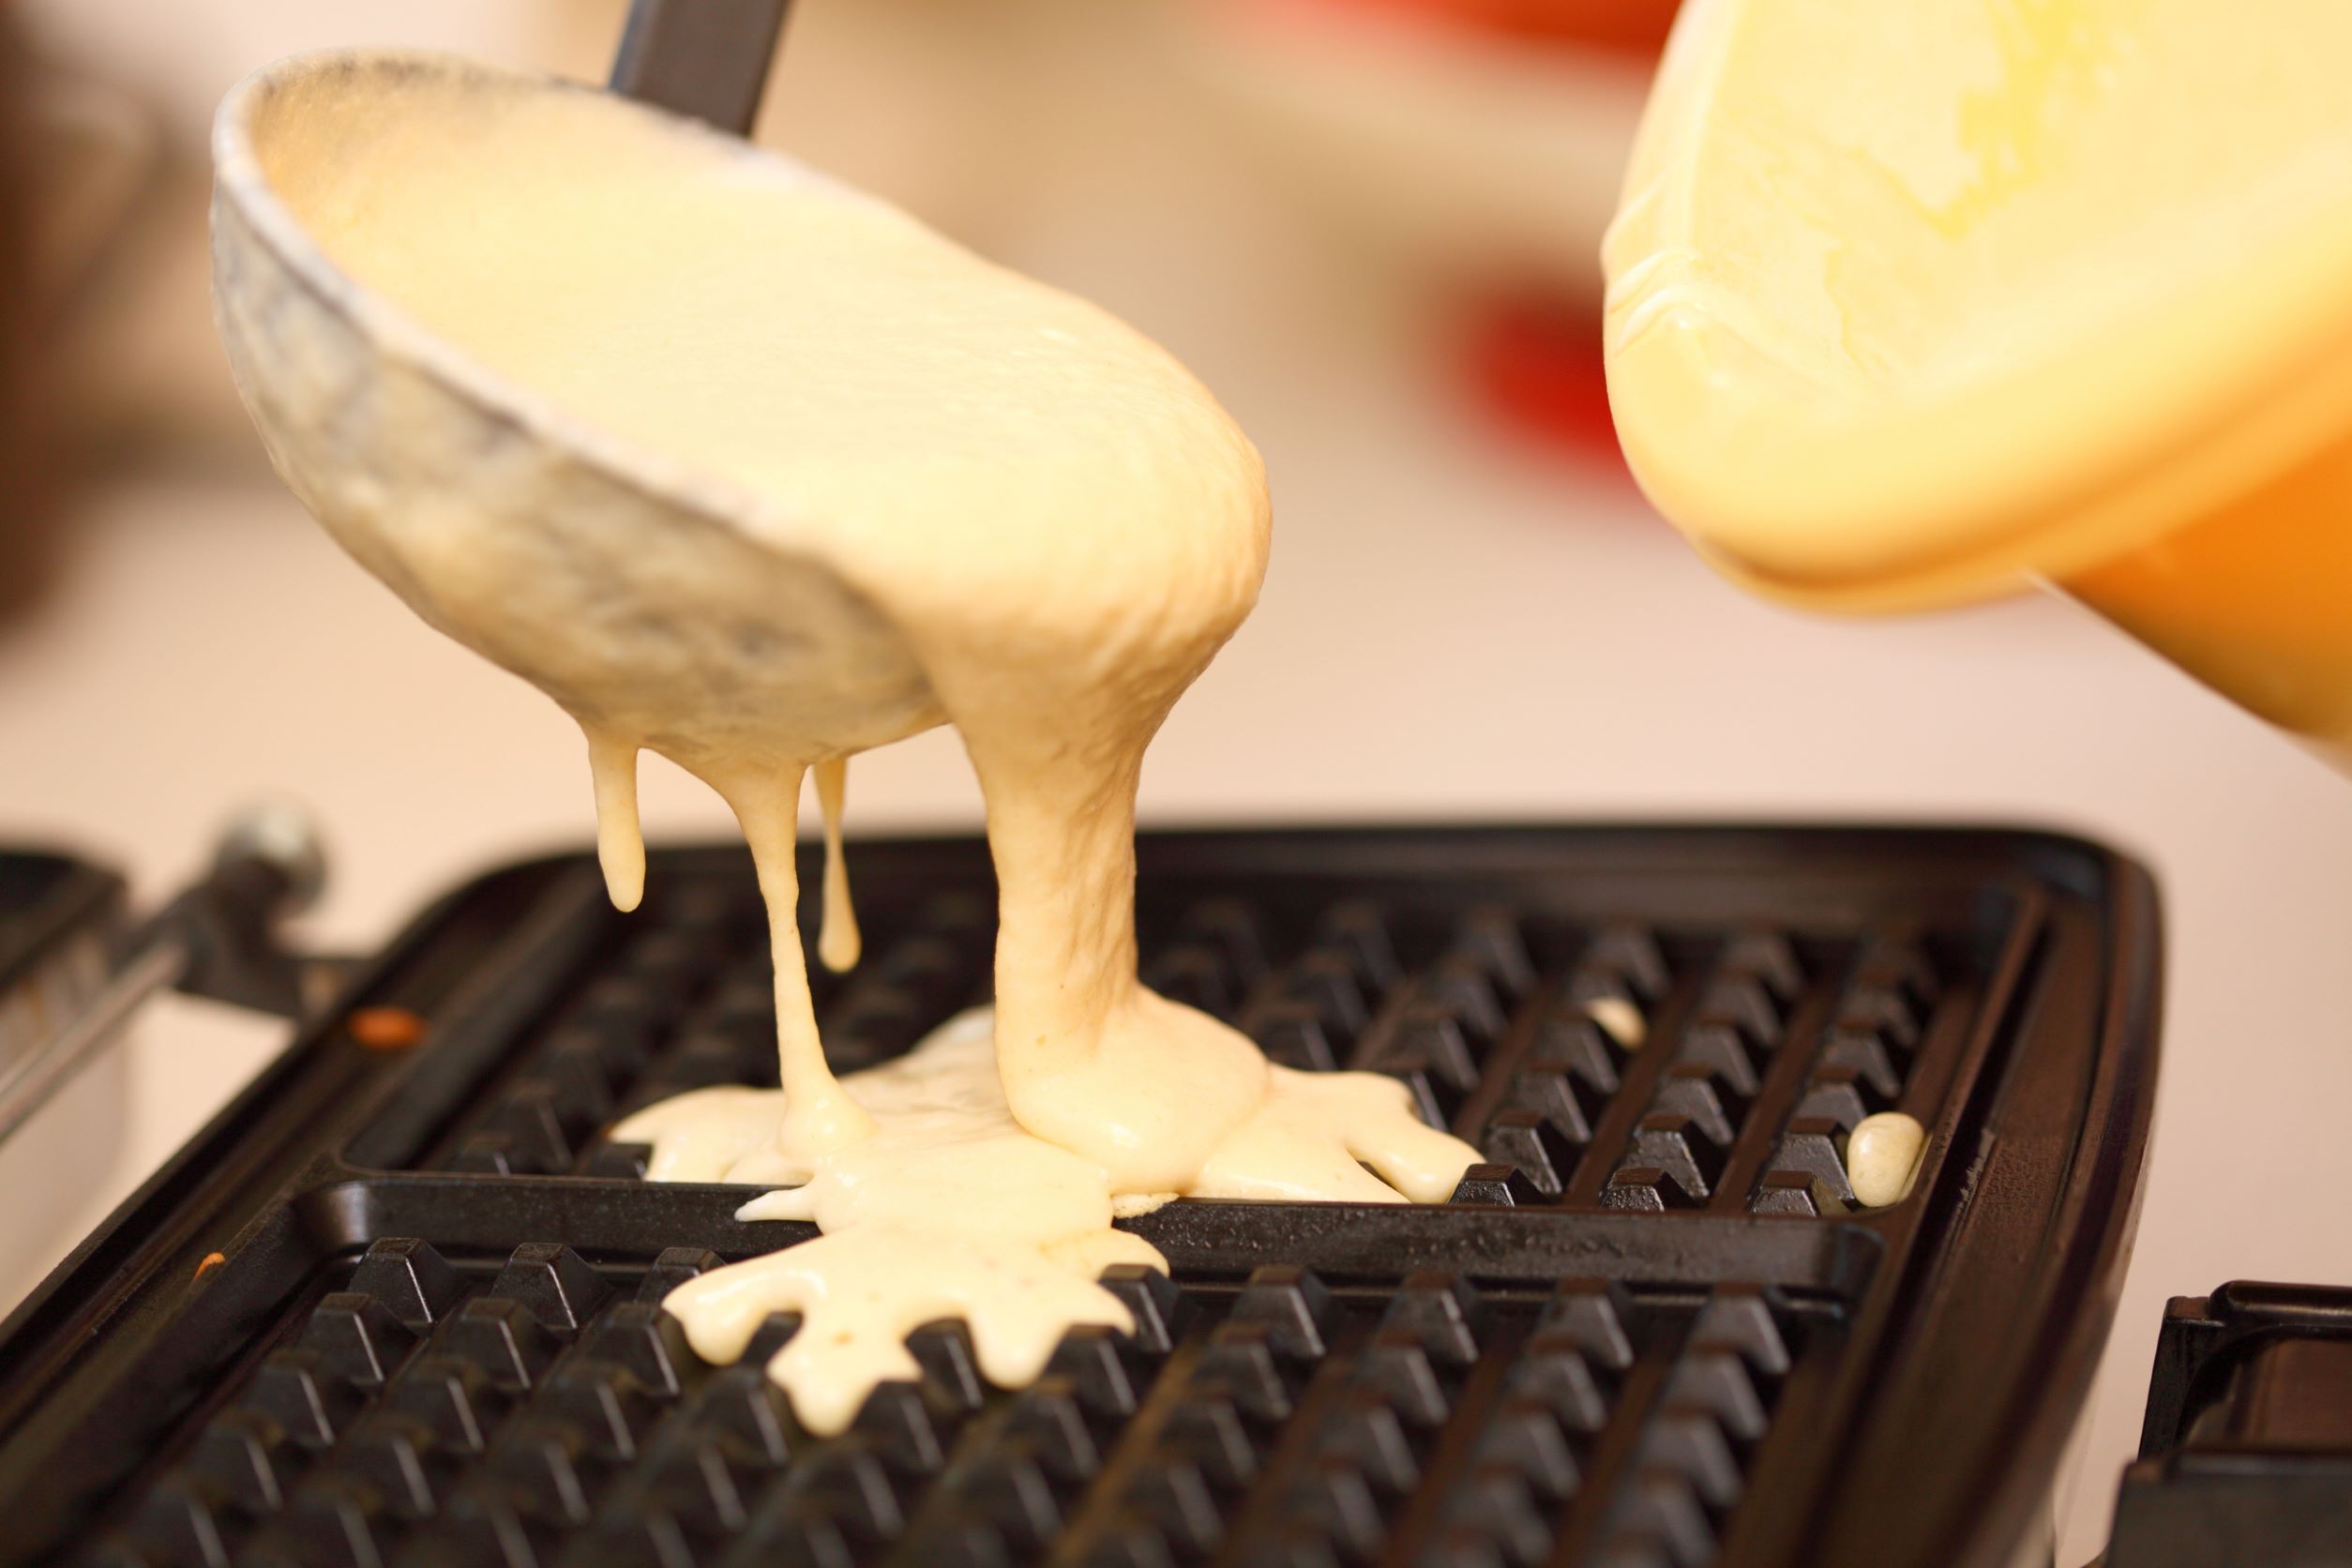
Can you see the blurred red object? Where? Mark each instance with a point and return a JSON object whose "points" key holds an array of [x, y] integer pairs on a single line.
{"points": [[1634, 27], [1494, 133], [1533, 362]]}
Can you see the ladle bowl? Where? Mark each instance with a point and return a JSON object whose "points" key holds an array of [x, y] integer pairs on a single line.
{"points": [[627, 584]]}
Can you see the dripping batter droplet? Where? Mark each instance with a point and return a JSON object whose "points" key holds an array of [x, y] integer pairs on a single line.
{"points": [[620, 843], [837, 942]]}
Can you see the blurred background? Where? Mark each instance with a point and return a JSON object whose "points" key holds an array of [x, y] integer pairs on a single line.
{"points": [[1368, 224]]}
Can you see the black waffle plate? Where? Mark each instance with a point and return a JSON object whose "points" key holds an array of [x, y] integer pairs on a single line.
{"points": [[399, 1303]]}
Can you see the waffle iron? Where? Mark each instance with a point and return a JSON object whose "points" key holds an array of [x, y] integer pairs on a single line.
{"points": [[399, 1302]]}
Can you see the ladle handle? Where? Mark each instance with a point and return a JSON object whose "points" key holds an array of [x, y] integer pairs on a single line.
{"points": [[706, 58]]}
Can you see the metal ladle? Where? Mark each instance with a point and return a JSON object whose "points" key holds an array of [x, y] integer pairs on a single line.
{"points": [[505, 520]]}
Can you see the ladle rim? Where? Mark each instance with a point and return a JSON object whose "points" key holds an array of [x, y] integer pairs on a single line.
{"points": [[395, 337]]}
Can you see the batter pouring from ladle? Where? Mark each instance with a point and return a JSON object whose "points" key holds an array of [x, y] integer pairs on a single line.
{"points": [[755, 471]]}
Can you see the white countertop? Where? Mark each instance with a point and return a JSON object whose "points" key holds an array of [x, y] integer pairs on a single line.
{"points": [[1453, 630]]}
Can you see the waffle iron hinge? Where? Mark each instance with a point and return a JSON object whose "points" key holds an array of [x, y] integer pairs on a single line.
{"points": [[218, 938]]}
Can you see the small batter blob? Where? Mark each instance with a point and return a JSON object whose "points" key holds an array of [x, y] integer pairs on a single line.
{"points": [[1882, 1157], [1619, 1019]]}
